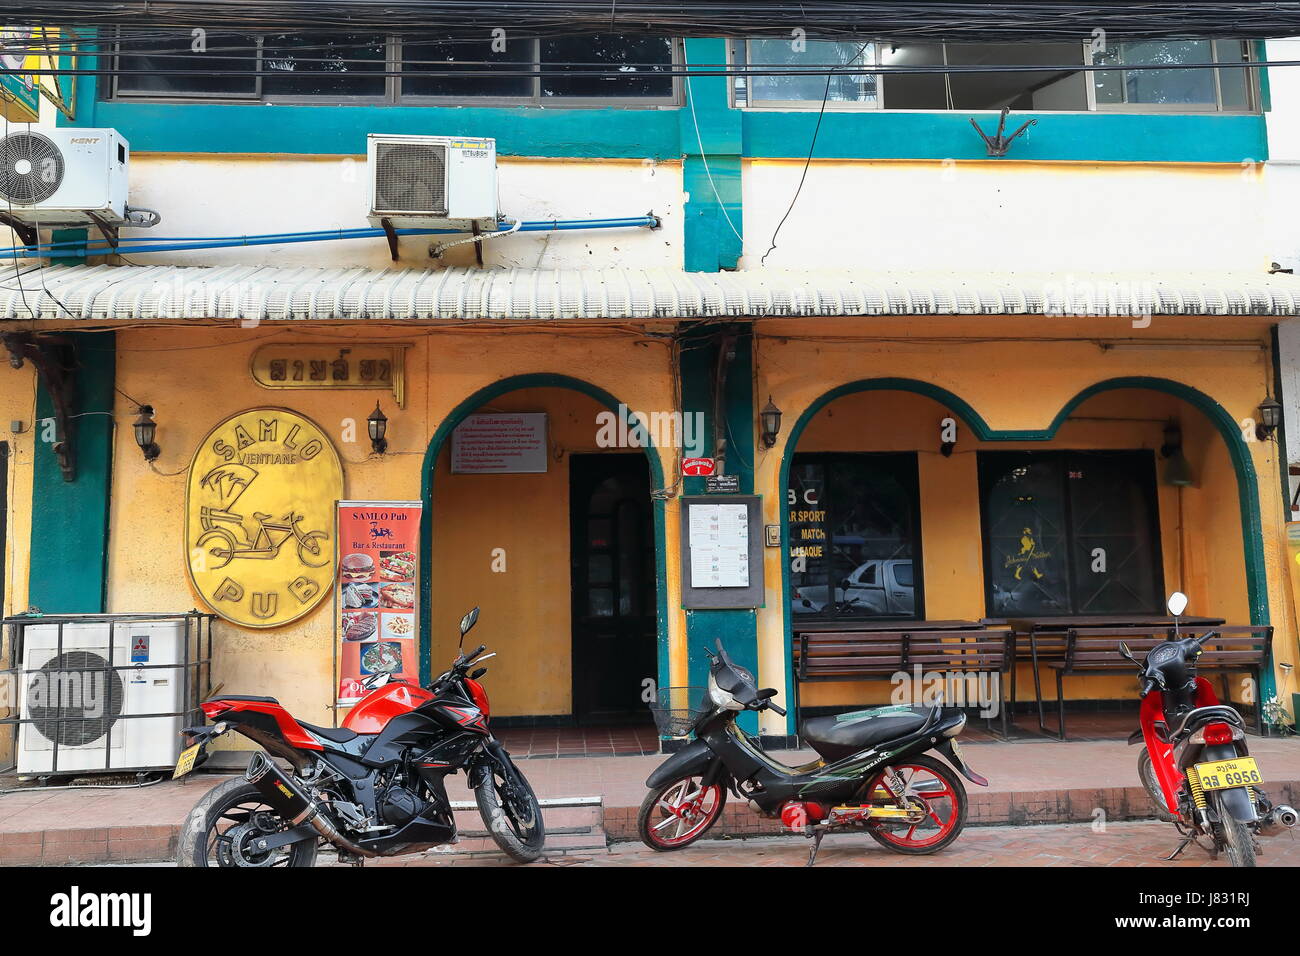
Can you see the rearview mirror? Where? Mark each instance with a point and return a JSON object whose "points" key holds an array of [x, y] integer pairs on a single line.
{"points": [[468, 621], [1125, 653], [1177, 603]]}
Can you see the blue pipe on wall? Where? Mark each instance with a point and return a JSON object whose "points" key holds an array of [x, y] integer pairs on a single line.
{"points": [[78, 248]]}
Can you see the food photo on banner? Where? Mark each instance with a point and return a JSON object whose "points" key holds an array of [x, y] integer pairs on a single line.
{"points": [[376, 609]]}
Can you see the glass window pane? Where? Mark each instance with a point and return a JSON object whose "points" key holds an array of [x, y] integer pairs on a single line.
{"points": [[914, 91], [1157, 87], [853, 536], [309, 65], [478, 81], [229, 66], [774, 54], [1029, 90], [640, 66], [1024, 533]]}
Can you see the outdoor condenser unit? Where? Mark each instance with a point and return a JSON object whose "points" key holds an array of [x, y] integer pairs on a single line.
{"points": [[436, 182], [74, 681], [64, 176]]}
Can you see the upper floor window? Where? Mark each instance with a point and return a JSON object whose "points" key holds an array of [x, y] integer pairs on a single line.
{"points": [[308, 68], [784, 76]]}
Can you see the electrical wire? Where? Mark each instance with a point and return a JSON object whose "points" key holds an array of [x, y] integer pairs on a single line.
{"points": [[892, 19], [821, 113]]}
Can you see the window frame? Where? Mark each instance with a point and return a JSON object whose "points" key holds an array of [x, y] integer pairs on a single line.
{"points": [[1253, 93], [393, 95], [1152, 493]]}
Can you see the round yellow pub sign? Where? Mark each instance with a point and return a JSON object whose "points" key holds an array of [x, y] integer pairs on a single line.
{"points": [[259, 517]]}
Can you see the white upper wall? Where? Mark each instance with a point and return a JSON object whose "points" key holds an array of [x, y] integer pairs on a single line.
{"points": [[1007, 216]]}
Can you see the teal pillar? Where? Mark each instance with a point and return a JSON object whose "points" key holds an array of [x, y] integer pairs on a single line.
{"points": [[701, 343], [711, 143], [69, 544]]}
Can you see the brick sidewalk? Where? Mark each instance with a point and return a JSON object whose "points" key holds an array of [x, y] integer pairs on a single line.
{"points": [[1033, 781], [1120, 844]]}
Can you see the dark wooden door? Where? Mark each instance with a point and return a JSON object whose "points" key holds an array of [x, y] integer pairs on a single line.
{"points": [[613, 575]]}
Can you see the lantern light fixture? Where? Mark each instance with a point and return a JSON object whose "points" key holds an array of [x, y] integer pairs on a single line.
{"points": [[1270, 417], [1178, 470], [770, 420], [377, 422], [146, 429]]}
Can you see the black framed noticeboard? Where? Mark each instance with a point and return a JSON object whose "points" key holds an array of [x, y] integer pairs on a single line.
{"points": [[722, 551]]}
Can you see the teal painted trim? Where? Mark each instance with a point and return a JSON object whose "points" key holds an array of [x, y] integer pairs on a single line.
{"points": [[440, 437], [1073, 137], [738, 631], [1243, 465], [737, 628], [69, 235], [69, 531], [620, 133], [710, 135]]}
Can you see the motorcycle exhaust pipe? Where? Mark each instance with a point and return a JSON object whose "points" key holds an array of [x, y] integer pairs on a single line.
{"points": [[294, 804], [1278, 819]]}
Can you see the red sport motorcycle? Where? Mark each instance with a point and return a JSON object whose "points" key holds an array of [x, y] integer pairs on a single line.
{"points": [[1194, 764], [373, 787]]}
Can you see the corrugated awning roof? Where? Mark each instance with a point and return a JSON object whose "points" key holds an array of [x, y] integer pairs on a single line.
{"points": [[269, 294]]}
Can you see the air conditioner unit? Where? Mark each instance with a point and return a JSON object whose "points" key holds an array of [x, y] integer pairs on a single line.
{"points": [[73, 683], [64, 176], [443, 182]]}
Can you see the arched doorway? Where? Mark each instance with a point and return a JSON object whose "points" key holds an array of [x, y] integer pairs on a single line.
{"points": [[953, 515], [568, 565]]}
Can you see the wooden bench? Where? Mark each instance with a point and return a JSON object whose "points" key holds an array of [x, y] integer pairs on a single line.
{"points": [[881, 654], [1236, 649]]}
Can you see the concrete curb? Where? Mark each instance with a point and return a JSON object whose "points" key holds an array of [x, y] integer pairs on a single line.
{"points": [[142, 844]]}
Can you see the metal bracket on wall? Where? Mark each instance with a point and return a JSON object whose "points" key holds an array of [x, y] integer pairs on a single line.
{"points": [[999, 144], [52, 357], [391, 233], [23, 230]]}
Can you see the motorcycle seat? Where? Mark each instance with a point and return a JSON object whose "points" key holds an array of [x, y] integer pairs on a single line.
{"points": [[248, 697], [840, 735], [339, 735]]}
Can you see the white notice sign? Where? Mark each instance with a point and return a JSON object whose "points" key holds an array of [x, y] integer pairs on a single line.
{"points": [[502, 444], [719, 543]]}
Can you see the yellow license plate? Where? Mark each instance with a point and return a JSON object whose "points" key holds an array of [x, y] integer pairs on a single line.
{"points": [[185, 763], [1223, 774]]}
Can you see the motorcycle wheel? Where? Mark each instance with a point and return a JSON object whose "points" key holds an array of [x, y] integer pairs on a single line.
{"points": [[1237, 838], [945, 802], [679, 813], [511, 813], [218, 829], [1147, 774]]}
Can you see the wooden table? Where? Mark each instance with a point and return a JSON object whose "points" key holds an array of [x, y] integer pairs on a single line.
{"points": [[1057, 627]]}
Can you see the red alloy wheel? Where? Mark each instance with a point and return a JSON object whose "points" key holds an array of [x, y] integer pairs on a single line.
{"points": [[943, 810], [682, 812]]}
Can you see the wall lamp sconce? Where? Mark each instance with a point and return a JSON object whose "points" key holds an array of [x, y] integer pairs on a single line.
{"points": [[1178, 471], [770, 420], [145, 429], [1270, 416], [377, 421]]}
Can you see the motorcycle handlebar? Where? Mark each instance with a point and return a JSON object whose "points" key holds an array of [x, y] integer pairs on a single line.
{"points": [[780, 710]]}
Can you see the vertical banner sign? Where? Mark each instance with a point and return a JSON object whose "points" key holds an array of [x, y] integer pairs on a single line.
{"points": [[378, 589]]}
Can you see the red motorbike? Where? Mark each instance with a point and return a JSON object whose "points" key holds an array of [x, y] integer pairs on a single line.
{"points": [[373, 787], [1195, 764]]}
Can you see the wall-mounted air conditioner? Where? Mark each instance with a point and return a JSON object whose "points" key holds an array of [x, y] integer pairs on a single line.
{"points": [[444, 182], [57, 687], [64, 176]]}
